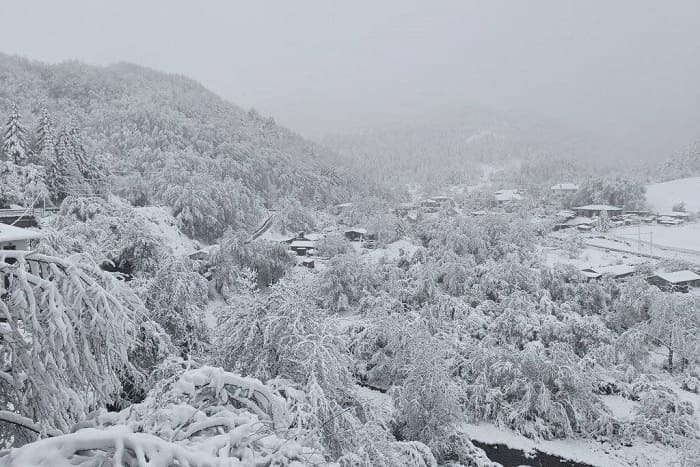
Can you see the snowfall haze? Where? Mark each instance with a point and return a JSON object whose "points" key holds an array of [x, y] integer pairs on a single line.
{"points": [[387, 234], [623, 73]]}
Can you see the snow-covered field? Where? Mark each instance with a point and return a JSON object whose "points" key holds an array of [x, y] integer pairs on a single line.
{"points": [[662, 196], [681, 237], [392, 252], [591, 257]]}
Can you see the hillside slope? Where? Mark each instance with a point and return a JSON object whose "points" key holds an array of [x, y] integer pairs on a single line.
{"points": [[173, 142], [453, 147], [663, 196]]}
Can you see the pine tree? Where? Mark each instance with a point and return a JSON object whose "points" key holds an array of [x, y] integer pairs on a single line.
{"points": [[78, 152], [58, 173], [45, 138], [14, 144], [604, 221]]}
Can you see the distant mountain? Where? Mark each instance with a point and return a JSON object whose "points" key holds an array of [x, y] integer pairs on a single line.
{"points": [[684, 163], [171, 141], [453, 147]]}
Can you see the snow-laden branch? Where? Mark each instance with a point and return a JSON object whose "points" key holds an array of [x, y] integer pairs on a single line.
{"points": [[65, 338], [24, 422]]}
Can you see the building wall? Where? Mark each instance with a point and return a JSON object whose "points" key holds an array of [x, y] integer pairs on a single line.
{"points": [[14, 245]]}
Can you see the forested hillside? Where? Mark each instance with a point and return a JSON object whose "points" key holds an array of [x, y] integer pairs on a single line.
{"points": [[453, 148], [166, 139]]}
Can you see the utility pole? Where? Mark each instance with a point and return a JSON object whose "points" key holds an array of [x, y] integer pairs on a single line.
{"points": [[639, 237], [651, 244]]}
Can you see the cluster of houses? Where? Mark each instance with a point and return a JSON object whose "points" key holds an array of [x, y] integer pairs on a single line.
{"points": [[509, 196], [429, 205], [676, 281], [587, 217], [305, 245]]}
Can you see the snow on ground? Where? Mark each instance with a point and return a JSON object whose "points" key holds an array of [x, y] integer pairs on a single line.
{"points": [[683, 237], [621, 407], [212, 311], [588, 256], [164, 225], [274, 235], [612, 242], [581, 450], [591, 257], [662, 196], [379, 402], [392, 252]]}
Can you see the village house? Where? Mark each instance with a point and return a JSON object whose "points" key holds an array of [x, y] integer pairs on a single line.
{"points": [[666, 220], [429, 205], [341, 208], [444, 201], [356, 234], [17, 238], [302, 247], [204, 253], [616, 271], [672, 218], [564, 188], [302, 244], [508, 196], [594, 210], [404, 210], [678, 281]]}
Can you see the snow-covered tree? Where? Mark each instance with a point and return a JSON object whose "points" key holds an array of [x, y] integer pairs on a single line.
{"points": [[674, 323], [60, 171], [45, 139], [64, 339], [268, 260], [197, 417], [14, 144], [177, 298], [603, 221], [21, 184]]}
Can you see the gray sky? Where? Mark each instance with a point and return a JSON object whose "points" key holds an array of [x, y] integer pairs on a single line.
{"points": [[628, 71]]}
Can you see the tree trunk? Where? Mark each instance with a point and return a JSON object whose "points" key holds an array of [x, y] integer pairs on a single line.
{"points": [[670, 360]]}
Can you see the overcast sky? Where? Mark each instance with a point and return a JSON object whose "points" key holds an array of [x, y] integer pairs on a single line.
{"points": [[626, 70]]}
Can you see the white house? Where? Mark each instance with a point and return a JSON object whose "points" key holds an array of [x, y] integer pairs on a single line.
{"points": [[616, 271], [507, 196], [563, 188], [592, 210], [17, 238], [675, 281]]}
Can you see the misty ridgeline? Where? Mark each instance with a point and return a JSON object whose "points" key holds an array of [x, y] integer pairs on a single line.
{"points": [[188, 283]]}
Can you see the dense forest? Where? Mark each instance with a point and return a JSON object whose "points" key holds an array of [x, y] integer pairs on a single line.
{"points": [[453, 148], [167, 140]]}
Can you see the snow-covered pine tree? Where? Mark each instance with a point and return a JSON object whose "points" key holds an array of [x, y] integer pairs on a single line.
{"points": [[14, 145], [75, 142], [604, 221], [45, 139], [177, 298], [58, 171]]}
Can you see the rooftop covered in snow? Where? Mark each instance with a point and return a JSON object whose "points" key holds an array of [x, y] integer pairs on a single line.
{"points": [[597, 207], [10, 233], [565, 187], [678, 277]]}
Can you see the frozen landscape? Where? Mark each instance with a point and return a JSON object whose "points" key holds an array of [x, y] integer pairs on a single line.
{"points": [[435, 260]]}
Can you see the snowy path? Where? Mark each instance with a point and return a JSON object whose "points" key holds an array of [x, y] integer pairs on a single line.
{"points": [[264, 227]]}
